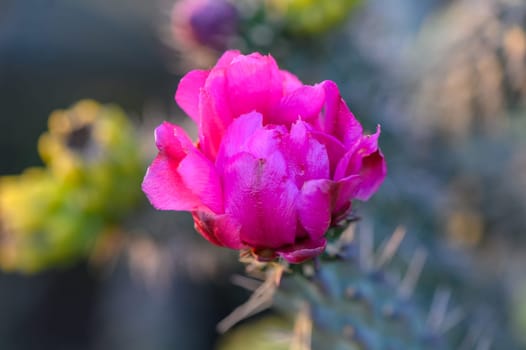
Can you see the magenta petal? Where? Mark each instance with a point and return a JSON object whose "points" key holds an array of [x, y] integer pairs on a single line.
{"points": [[204, 223], [216, 87], [335, 149], [338, 119], [373, 173], [218, 229], [306, 156], [172, 140], [237, 136], [304, 103], [314, 207], [266, 141], [228, 231], [351, 162], [369, 143], [187, 94], [254, 84], [164, 187], [290, 82], [247, 134], [199, 175], [346, 189], [298, 253], [162, 183], [227, 58], [212, 126], [262, 199]]}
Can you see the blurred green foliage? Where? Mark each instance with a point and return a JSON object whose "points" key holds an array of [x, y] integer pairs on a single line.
{"points": [[310, 17], [55, 214]]}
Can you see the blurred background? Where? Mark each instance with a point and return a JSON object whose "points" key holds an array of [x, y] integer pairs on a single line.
{"points": [[86, 263]]}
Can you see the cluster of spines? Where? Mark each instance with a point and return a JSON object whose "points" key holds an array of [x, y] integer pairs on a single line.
{"points": [[350, 299]]}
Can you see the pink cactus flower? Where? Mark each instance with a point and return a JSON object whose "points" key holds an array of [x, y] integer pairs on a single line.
{"points": [[276, 164]]}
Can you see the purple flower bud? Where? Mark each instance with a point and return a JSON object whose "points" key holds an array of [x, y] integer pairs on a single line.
{"points": [[210, 23]]}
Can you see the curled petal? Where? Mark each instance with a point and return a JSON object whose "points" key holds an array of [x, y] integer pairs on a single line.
{"points": [[290, 82], [351, 163], [162, 183], [254, 84], [205, 225], [373, 173], [187, 94], [300, 252], [304, 103], [199, 175], [335, 149], [306, 156], [164, 186], [221, 230], [238, 135], [338, 119], [216, 87], [172, 140], [247, 134], [227, 58], [212, 125], [369, 143], [266, 141], [345, 190], [314, 207], [261, 197]]}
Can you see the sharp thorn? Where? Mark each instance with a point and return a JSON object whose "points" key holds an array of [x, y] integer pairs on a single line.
{"points": [[410, 279], [390, 246], [366, 248]]}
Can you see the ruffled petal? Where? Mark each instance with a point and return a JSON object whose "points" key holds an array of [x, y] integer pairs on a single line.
{"points": [[164, 186], [238, 135], [212, 125], [335, 149], [262, 199], [338, 120], [369, 143], [162, 183], [351, 162], [345, 190], [221, 230], [172, 140], [266, 141], [290, 82], [307, 158], [204, 224], [373, 173], [216, 87], [304, 103], [314, 207], [254, 83], [199, 175], [187, 93], [226, 58], [300, 252]]}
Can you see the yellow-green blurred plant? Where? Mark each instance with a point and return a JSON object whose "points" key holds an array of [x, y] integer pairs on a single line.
{"points": [[90, 181], [312, 16]]}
